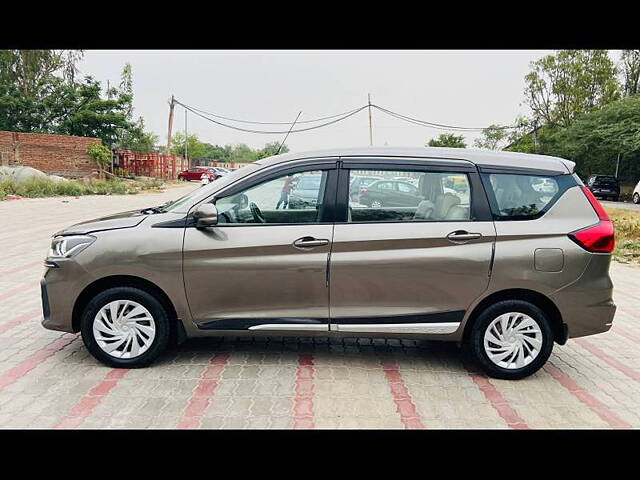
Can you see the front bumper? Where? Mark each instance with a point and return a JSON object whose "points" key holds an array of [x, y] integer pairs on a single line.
{"points": [[59, 289]]}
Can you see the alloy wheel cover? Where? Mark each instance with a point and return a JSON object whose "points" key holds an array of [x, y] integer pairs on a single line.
{"points": [[124, 329], [513, 340]]}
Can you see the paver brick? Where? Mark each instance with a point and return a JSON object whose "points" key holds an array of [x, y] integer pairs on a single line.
{"points": [[354, 382]]}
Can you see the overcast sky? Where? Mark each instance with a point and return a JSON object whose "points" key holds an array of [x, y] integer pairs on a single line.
{"points": [[467, 88]]}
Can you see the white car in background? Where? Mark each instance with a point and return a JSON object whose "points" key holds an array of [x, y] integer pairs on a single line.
{"points": [[636, 194]]}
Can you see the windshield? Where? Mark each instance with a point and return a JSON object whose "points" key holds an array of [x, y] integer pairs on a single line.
{"points": [[184, 203], [606, 180]]}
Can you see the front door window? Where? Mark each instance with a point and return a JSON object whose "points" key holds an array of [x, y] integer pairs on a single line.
{"points": [[292, 198]]}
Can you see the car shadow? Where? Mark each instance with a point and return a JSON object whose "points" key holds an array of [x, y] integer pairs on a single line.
{"points": [[435, 355]]}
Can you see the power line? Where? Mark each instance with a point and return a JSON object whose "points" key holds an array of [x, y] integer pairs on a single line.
{"points": [[436, 125], [344, 117], [270, 123], [334, 119]]}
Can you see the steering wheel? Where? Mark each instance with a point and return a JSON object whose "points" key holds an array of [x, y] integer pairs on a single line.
{"points": [[257, 214]]}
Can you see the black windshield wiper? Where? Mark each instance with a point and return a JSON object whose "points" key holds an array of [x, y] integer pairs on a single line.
{"points": [[150, 210], [160, 209]]}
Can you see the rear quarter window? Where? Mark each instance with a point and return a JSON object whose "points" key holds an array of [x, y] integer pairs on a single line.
{"points": [[524, 197]]}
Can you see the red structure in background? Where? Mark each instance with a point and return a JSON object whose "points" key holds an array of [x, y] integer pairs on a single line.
{"points": [[157, 165]]}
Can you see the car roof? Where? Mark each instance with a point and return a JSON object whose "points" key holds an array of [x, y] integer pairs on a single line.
{"points": [[478, 157]]}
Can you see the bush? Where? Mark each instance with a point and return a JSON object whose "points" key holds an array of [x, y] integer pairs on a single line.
{"points": [[627, 226], [45, 187]]}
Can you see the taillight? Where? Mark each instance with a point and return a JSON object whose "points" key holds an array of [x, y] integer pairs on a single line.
{"points": [[602, 214], [598, 238]]}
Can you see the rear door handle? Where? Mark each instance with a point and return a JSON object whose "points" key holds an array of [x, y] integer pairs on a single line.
{"points": [[310, 242], [462, 236]]}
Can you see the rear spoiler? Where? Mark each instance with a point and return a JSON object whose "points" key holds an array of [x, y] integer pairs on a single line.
{"points": [[569, 164]]}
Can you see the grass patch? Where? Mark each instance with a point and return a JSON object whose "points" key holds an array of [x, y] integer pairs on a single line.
{"points": [[44, 187], [627, 225]]}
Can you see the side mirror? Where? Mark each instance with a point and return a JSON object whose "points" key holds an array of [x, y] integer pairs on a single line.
{"points": [[206, 215]]}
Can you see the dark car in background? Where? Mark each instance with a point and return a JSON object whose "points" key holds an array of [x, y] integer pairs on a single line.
{"points": [[604, 186], [305, 192], [357, 183], [390, 193]]}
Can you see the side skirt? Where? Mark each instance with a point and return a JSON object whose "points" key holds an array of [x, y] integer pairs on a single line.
{"points": [[440, 323]]}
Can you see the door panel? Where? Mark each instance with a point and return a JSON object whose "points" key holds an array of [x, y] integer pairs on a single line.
{"points": [[245, 273], [262, 266], [412, 269], [385, 270]]}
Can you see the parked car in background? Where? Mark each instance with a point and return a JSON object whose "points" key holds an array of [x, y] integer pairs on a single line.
{"points": [[412, 180], [636, 194], [195, 173], [390, 193], [604, 186], [357, 183], [305, 192], [506, 272], [221, 171]]}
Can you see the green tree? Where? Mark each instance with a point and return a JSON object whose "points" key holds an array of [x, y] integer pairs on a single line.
{"points": [[271, 149], [630, 70], [126, 89], [493, 138], [594, 140], [28, 69], [63, 108], [101, 155], [195, 148], [569, 83], [448, 140], [81, 110], [137, 139], [215, 152], [242, 153]]}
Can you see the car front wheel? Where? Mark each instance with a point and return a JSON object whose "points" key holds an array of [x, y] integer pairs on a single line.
{"points": [[636, 198], [125, 327], [511, 339]]}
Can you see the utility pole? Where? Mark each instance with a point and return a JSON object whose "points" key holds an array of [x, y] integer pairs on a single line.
{"points": [[618, 164], [186, 140], [370, 128], [171, 105]]}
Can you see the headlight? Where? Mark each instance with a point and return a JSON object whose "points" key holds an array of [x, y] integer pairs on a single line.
{"points": [[66, 246]]}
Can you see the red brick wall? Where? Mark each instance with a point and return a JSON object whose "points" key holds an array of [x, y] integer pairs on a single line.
{"points": [[54, 154]]}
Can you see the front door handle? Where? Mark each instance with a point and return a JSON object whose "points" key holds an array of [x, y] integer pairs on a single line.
{"points": [[462, 236], [310, 242]]}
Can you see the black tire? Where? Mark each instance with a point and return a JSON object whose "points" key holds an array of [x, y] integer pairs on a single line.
{"points": [[476, 339], [636, 198], [150, 302]]}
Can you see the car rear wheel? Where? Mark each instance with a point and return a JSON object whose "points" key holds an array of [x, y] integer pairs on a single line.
{"points": [[125, 327], [511, 339], [636, 198]]}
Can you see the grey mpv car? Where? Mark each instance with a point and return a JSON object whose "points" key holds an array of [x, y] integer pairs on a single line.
{"points": [[486, 258]]}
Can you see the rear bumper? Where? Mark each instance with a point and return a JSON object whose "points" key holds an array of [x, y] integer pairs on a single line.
{"points": [[586, 305]]}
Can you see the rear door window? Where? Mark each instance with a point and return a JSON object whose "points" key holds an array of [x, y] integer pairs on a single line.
{"points": [[524, 197], [421, 196]]}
